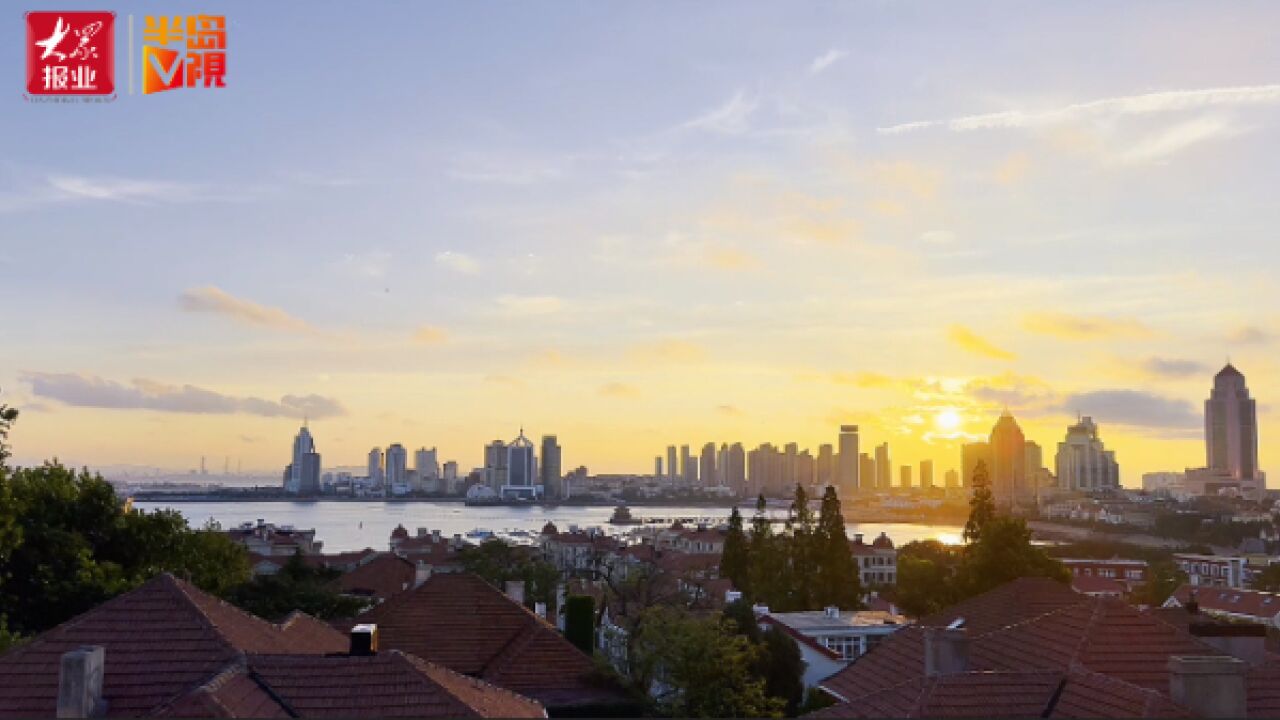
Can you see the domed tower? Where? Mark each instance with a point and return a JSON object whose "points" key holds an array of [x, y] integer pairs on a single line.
{"points": [[1008, 462], [1231, 426]]}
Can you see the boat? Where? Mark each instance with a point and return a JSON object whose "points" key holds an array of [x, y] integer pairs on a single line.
{"points": [[480, 533], [622, 516]]}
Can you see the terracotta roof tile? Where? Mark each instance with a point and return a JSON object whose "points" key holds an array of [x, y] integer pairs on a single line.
{"points": [[467, 625], [161, 639], [381, 577]]}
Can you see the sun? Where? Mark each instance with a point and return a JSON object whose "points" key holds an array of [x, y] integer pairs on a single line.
{"points": [[947, 419]]}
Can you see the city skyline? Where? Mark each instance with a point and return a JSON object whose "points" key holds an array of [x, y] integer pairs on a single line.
{"points": [[898, 216]]}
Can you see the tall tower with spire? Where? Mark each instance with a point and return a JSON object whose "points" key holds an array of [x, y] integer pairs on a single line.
{"points": [[1231, 426]]}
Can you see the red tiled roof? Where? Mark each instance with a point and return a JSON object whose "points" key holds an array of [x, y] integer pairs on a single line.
{"points": [[381, 577], [1088, 584], [1253, 603], [467, 625], [231, 693], [160, 639], [800, 637], [1033, 624], [1009, 694]]}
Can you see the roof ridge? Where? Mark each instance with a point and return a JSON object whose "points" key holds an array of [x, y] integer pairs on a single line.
{"points": [[184, 588], [506, 654], [477, 683], [1034, 618], [1087, 634]]}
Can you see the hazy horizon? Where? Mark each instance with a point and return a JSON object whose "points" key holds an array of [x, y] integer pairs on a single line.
{"points": [[636, 226]]}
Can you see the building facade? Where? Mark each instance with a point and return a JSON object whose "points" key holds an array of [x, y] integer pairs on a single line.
{"points": [[1083, 463]]}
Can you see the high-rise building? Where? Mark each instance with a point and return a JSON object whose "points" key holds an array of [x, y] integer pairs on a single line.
{"points": [[397, 465], [722, 466], [707, 463], [302, 475], [1231, 426], [375, 466], [1083, 463], [884, 468], [657, 467], [551, 475], [736, 472], [904, 476], [450, 478], [688, 467], [495, 465], [824, 467], [673, 470], [848, 468], [521, 468], [926, 474], [970, 455], [1008, 470], [953, 478], [866, 469], [427, 463]]}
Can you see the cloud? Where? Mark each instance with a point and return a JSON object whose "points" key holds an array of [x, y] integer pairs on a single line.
{"points": [[677, 351], [619, 390], [730, 410], [863, 379], [1144, 104], [1179, 137], [214, 300], [115, 189], [1250, 335], [91, 391], [529, 305], [731, 118], [1173, 367], [430, 335], [826, 60], [1083, 327], [965, 339], [1135, 408], [457, 262], [372, 264]]}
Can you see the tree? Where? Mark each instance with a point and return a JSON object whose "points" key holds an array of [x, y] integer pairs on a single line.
{"points": [[499, 562], [297, 586], [802, 551], [838, 582], [699, 667], [579, 622], [733, 561], [926, 577], [1164, 576], [782, 668], [982, 507], [1003, 552]]}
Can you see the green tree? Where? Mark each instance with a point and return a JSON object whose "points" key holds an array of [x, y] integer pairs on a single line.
{"points": [[733, 561], [837, 579], [580, 622], [926, 577], [802, 552], [782, 668], [498, 562], [297, 586], [982, 507], [764, 569], [1003, 552], [699, 667], [1163, 577]]}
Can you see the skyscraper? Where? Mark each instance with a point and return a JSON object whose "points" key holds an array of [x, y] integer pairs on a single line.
{"points": [[552, 476], [848, 481], [736, 473], [866, 470], [302, 475], [904, 476], [825, 465], [1231, 426], [884, 468], [375, 466], [495, 465], [427, 463], [707, 462], [657, 467], [673, 470], [926, 474], [722, 466], [397, 465], [1082, 463], [953, 478], [1008, 469], [688, 468], [521, 468], [970, 455]]}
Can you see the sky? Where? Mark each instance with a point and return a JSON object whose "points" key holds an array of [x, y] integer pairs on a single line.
{"points": [[642, 224]]}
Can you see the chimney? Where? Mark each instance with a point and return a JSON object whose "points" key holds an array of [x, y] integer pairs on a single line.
{"points": [[540, 609], [946, 651], [832, 611], [515, 590], [857, 538], [364, 640], [80, 683], [1245, 642], [421, 572], [435, 536], [1210, 686]]}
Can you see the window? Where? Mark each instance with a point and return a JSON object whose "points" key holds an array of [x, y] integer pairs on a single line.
{"points": [[847, 648]]}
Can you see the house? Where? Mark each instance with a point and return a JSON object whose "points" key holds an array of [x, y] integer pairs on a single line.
{"points": [[430, 551], [1248, 605], [1212, 570], [1035, 648], [465, 624], [576, 551], [380, 578], [267, 539], [168, 649], [1113, 577], [840, 635], [700, 541], [877, 563]]}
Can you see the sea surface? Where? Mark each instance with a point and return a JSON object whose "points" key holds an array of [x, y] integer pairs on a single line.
{"points": [[345, 526]]}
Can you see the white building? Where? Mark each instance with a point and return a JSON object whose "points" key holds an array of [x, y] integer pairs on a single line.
{"points": [[375, 466], [1212, 570], [522, 470], [302, 475], [1083, 464], [397, 466], [847, 635]]}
